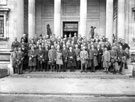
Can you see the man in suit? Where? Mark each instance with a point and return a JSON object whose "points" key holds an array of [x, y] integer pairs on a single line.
{"points": [[19, 58], [45, 58], [65, 56], [25, 38], [52, 58], [71, 59], [124, 45], [99, 56], [14, 61], [77, 52], [40, 58], [15, 44], [32, 58], [122, 59], [75, 38], [84, 59]]}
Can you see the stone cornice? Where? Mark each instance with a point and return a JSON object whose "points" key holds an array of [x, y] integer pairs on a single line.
{"points": [[4, 9]]}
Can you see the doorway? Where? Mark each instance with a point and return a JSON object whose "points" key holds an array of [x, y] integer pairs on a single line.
{"points": [[70, 28]]}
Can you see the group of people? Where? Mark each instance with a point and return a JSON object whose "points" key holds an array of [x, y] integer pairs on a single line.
{"points": [[50, 53]]}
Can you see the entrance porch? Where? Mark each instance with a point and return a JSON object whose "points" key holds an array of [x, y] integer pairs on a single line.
{"points": [[55, 12]]}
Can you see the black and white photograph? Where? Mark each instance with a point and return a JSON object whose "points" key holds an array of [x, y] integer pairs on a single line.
{"points": [[67, 50]]}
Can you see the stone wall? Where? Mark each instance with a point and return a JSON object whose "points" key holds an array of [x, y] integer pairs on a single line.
{"points": [[130, 23], [44, 16], [70, 12], [14, 24], [3, 73]]}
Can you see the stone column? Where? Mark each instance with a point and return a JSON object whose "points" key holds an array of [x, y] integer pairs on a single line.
{"points": [[16, 27], [19, 24], [127, 21], [83, 17], [57, 17], [121, 19], [31, 18], [109, 20]]}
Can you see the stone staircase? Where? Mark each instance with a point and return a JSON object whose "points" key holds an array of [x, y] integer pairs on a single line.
{"points": [[76, 74], [5, 71]]}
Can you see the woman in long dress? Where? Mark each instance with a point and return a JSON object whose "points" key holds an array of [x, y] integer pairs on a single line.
{"points": [[106, 59]]}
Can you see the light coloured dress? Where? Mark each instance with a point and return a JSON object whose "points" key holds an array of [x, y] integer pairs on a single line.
{"points": [[59, 60], [106, 59]]}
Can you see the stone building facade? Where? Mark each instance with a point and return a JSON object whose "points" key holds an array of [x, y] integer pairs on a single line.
{"points": [[66, 16]]}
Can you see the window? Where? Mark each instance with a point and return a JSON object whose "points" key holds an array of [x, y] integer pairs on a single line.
{"points": [[70, 28], [1, 26], [4, 12]]}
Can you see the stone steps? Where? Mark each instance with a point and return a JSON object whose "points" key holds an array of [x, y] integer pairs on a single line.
{"points": [[3, 73], [4, 62], [5, 55], [77, 74]]}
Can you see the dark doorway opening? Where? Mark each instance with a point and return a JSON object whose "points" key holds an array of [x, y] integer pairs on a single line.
{"points": [[70, 28]]}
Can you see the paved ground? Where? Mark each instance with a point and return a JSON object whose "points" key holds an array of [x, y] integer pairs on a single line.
{"points": [[67, 86], [40, 98]]}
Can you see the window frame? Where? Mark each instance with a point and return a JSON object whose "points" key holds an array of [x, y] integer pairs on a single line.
{"points": [[5, 12], [3, 26]]}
